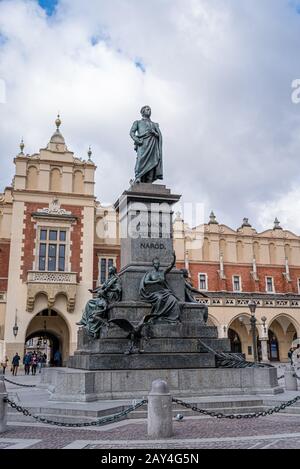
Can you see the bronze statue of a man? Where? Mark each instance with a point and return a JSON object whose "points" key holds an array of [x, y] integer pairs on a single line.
{"points": [[148, 145]]}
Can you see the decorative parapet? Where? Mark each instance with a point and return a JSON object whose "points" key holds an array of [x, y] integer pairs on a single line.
{"points": [[243, 302], [51, 284]]}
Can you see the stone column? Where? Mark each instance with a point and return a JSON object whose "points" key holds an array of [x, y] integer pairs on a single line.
{"points": [[160, 423], [3, 406], [264, 349]]}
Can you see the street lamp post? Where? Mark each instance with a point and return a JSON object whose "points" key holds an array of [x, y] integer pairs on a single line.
{"points": [[252, 307], [253, 323]]}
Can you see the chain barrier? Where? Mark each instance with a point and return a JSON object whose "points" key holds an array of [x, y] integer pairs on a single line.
{"points": [[280, 377], [220, 415], [96, 423], [20, 384]]}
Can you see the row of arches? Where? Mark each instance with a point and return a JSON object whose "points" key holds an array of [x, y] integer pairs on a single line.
{"points": [[55, 183], [240, 256], [278, 335]]}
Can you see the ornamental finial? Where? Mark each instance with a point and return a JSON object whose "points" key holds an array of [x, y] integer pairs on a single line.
{"points": [[58, 123], [22, 146]]}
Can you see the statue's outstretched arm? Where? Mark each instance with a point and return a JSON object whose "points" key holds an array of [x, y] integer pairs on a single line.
{"points": [[172, 265]]}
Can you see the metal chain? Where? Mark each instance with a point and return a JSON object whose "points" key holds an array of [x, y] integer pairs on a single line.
{"points": [[220, 415], [280, 377], [19, 384], [99, 422]]}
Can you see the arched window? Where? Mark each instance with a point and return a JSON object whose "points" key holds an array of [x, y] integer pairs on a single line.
{"points": [[32, 178], [206, 249], [239, 251], [78, 186], [287, 252], [256, 251], [272, 252], [223, 249], [55, 180]]}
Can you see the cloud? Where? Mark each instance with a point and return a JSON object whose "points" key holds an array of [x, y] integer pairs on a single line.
{"points": [[217, 74]]}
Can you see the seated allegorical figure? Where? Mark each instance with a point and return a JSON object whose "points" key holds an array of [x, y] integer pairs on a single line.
{"points": [[95, 312], [154, 289]]}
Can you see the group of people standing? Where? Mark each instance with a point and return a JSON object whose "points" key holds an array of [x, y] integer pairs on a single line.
{"points": [[31, 361]]}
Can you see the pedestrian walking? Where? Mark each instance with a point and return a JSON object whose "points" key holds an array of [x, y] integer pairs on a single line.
{"points": [[15, 364], [296, 356], [57, 358], [34, 362], [290, 354], [4, 364], [27, 362]]}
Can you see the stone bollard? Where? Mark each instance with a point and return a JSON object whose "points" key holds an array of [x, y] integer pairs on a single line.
{"points": [[290, 379], [3, 406], [160, 424]]}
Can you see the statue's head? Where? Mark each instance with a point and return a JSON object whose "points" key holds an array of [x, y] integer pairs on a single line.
{"points": [[112, 270], [156, 263], [146, 111], [185, 273]]}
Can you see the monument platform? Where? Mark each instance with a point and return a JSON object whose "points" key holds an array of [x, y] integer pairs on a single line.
{"points": [[120, 363]]}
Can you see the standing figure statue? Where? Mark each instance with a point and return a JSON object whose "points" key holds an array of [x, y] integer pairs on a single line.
{"points": [[154, 289], [148, 145], [95, 312], [190, 291]]}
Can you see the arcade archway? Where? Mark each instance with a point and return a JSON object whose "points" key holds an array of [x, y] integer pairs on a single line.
{"points": [[48, 333]]}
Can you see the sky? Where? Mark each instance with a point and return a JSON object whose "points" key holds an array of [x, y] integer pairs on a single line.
{"points": [[218, 75]]}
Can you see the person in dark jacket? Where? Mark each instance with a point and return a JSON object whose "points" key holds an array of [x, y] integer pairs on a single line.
{"points": [[15, 364], [57, 358]]}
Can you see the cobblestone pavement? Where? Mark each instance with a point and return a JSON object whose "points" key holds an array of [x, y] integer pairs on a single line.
{"points": [[280, 431]]}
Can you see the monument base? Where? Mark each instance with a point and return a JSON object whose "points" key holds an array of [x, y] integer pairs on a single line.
{"points": [[71, 385]]}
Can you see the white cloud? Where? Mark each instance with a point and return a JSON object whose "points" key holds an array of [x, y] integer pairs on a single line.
{"points": [[218, 77]]}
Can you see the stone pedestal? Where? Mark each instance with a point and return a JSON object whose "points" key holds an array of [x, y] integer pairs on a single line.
{"points": [[290, 379], [146, 224], [70, 385], [100, 369]]}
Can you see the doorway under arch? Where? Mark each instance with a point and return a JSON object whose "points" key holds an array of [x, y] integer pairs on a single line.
{"points": [[48, 332], [235, 341], [273, 347]]}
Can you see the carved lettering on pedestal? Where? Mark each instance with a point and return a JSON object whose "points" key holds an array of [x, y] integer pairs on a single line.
{"points": [[157, 246]]}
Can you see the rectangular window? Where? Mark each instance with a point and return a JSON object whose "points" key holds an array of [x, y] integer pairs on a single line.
{"points": [[62, 257], [52, 250], [43, 235], [53, 235], [298, 285], [203, 283], [104, 265], [237, 283], [52, 257], [42, 256], [62, 236], [270, 285]]}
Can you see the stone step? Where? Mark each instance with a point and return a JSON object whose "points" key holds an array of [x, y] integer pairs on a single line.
{"points": [[136, 311], [190, 330], [144, 361], [166, 345], [69, 416], [190, 413]]}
